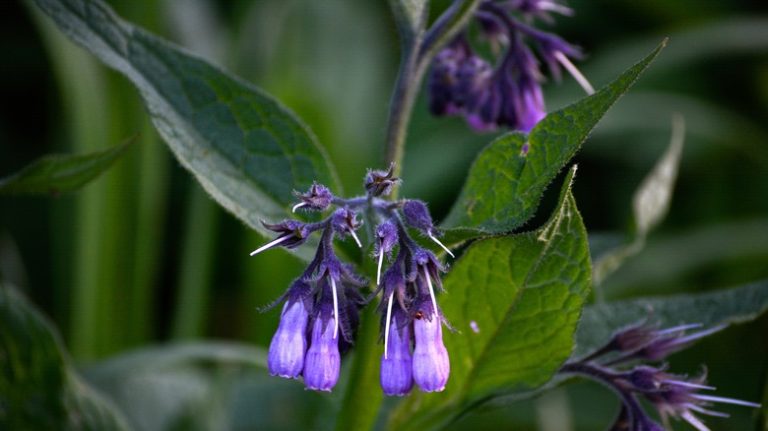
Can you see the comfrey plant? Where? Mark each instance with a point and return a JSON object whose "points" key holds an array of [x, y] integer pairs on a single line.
{"points": [[619, 366], [320, 314], [520, 294], [506, 91]]}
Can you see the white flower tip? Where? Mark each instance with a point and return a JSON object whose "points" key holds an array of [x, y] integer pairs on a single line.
{"points": [[386, 325], [357, 240], [335, 309], [378, 271], [432, 237], [574, 71], [270, 244], [297, 206]]}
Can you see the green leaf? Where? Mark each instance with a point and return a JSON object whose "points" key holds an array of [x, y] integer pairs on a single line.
{"points": [[505, 183], [650, 204], [58, 173], [729, 306], [247, 150], [515, 302], [177, 386], [39, 389]]}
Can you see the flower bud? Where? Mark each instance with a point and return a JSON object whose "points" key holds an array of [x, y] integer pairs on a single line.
{"points": [[386, 233], [344, 222], [380, 183], [417, 215], [317, 198]]}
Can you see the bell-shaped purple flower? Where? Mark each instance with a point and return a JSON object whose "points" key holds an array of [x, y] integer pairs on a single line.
{"points": [[396, 362], [431, 365], [322, 363], [289, 344]]}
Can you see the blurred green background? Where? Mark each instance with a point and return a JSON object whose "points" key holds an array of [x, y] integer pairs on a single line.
{"points": [[141, 256]]}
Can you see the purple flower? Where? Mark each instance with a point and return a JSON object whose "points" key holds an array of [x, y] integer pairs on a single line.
{"points": [[344, 222], [317, 198], [396, 362], [680, 398], [380, 183], [322, 363], [292, 233], [508, 94], [417, 215], [431, 365], [386, 235], [289, 344], [673, 396]]}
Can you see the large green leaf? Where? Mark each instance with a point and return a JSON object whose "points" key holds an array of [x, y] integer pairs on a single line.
{"points": [[39, 389], [59, 173], [505, 183], [515, 302], [729, 306], [246, 149]]}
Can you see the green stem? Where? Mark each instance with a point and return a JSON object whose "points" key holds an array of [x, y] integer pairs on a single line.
{"points": [[196, 265], [401, 106], [152, 188], [418, 51], [363, 396]]}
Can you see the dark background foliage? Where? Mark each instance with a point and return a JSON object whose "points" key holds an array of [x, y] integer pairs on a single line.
{"points": [[148, 258]]}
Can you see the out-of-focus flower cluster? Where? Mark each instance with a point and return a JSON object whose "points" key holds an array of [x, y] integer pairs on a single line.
{"points": [[619, 366], [507, 90], [321, 310]]}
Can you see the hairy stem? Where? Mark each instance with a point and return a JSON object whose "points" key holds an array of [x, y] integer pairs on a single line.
{"points": [[401, 106]]}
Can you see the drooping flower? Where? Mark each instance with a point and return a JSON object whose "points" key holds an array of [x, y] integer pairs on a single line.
{"points": [[509, 94], [323, 303], [289, 344], [323, 361], [673, 396], [396, 361], [431, 365]]}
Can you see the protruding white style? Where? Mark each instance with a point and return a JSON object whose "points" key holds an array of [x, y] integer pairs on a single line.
{"points": [[335, 309], [431, 291], [357, 240], [552, 6], [387, 323], [724, 400], [574, 71], [270, 244], [297, 206], [378, 271], [432, 237]]}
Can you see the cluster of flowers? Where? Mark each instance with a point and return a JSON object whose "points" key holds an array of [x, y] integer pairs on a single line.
{"points": [[322, 306], [672, 395], [508, 94]]}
